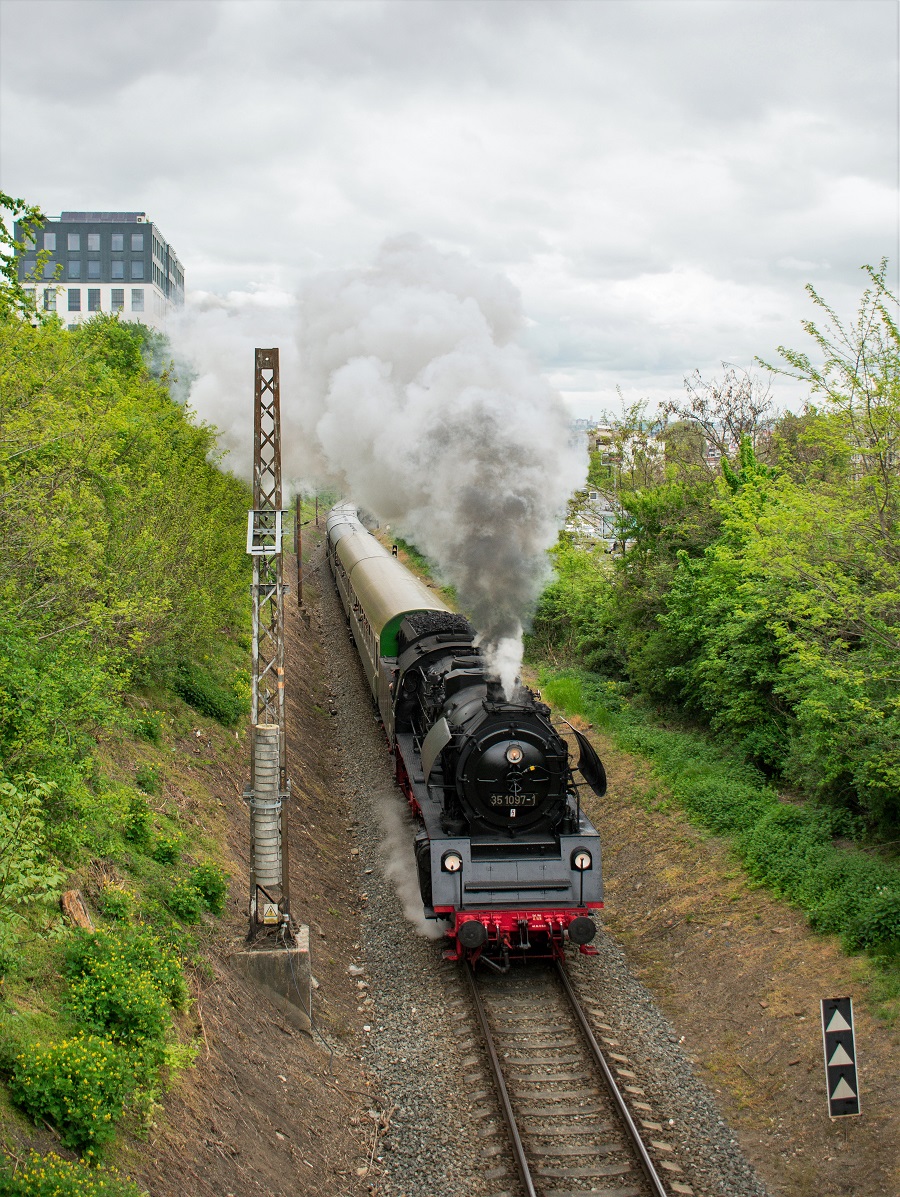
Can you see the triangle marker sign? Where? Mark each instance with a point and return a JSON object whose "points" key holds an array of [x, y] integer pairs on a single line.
{"points": [[839, 1044], [842, 1090], [839, 1057], [838, 1023]]}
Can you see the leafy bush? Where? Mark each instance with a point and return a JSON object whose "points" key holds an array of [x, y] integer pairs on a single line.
{"points": [[51, 1176], [116, 902], [138, 822], [132, 953], [26, 873], [877, 925], [79, 1084], [186, 902], [149, 726], [212, 885], [787, 847], [148, 778], [205, 694], [167, 849]]}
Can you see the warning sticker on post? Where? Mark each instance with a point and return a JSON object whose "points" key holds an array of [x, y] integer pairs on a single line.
{"points": [[840, 1057], [270, 913]]}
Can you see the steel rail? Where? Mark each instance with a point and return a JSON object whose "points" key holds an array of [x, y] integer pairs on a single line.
{"points": [[624, 1113], [505, 1104]]}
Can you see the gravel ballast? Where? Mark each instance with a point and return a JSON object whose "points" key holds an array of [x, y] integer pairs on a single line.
{"points": [[421, 1042]]}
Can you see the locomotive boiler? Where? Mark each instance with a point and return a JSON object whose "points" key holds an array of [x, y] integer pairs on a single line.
{"points": [[504, 852]]}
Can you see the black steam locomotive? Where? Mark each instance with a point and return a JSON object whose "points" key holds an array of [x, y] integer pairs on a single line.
{"points": [[505, 854]]}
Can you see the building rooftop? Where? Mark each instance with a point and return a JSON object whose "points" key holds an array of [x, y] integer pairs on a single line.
{"points": [[105, 217]]}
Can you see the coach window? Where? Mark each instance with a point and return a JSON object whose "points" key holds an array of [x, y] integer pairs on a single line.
{"points": [[74, 299], [74, 241], [137, 299], [50, 241]]}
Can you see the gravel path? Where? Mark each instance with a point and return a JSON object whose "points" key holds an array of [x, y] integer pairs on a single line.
{"points": [[420, 1043]]}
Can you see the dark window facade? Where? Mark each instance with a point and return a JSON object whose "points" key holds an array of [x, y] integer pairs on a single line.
{"points": [[74, 299], [93, 299]]}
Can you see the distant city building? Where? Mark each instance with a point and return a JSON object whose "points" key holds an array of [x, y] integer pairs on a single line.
{"points": [[111, 262]]}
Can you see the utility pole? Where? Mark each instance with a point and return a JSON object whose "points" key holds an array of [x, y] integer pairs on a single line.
{"points": [[269, 788]]}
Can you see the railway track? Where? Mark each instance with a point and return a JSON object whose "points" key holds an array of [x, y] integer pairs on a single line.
{"points": [[569, 1124]]}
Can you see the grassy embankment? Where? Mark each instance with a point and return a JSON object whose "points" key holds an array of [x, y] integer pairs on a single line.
{"points": [[792, 847], [123, 660]]}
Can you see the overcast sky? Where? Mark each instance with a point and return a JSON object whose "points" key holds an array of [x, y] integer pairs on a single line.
{"points": [[660, 178]]}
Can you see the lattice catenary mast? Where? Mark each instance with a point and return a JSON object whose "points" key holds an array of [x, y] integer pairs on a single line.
{"points": [[269, 786]]}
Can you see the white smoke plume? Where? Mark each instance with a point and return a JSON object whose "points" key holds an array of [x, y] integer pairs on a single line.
{"points": [[399, 859], [409, 394]]}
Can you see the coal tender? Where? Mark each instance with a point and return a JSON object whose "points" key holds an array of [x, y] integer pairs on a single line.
{"points": [[505, 855]]}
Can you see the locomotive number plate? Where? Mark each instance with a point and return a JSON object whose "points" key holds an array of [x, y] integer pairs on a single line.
{"points": [[513, 799]]}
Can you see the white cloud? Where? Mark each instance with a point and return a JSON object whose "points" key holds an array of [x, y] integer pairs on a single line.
{"points": [[658, 178]]}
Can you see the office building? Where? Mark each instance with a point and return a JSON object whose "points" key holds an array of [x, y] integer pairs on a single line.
{"points": [[104, 262]]}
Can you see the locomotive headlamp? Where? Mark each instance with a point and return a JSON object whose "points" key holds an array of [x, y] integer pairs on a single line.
{"points": [[514, 754], [581, 860], [451, 862]]}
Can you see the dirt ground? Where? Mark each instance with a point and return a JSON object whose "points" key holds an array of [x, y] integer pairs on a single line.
{"points": [[741, 975], [266, 1110]]}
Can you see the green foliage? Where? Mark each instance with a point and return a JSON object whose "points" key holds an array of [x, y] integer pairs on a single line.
{"points": [[765, 602], [149, 726], [788, 848], [103, 579], [199, 688], [212, 885], [79, 1084], [133, 952], [50, 1176], [16, 298], [148, 778], [877, 925], [116, 903], [186, 902], [167, 849], [26, 873], [138, 825]]}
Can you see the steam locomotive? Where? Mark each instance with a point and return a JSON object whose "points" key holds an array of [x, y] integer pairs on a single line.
{"points": [[504, 852]]}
